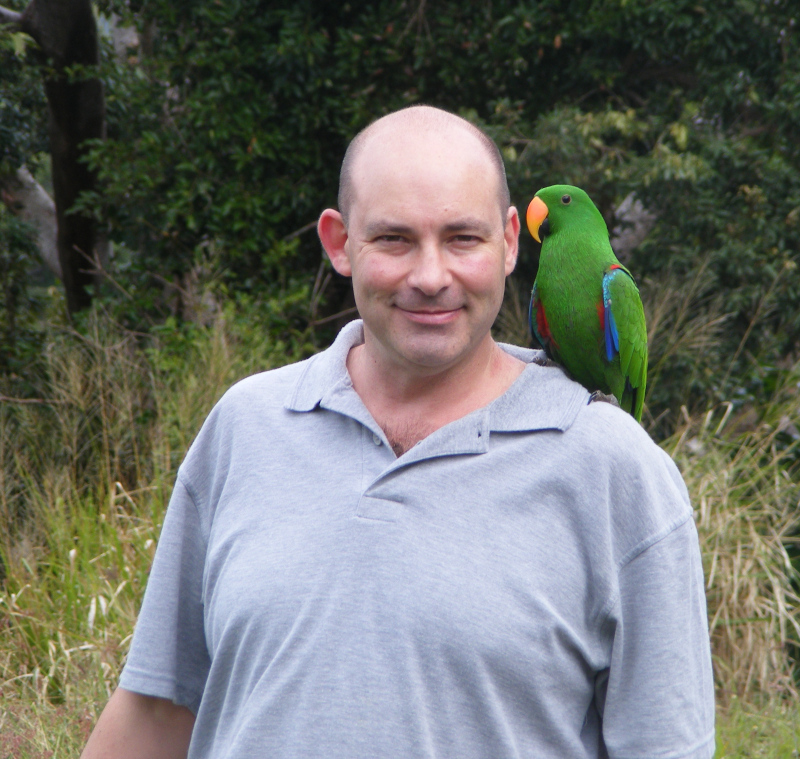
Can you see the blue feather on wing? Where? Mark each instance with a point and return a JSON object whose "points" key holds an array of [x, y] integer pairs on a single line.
{"points": [[610, 324]]}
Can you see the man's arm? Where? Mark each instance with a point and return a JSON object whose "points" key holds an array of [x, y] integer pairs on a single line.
{"points": [[133, 726]]}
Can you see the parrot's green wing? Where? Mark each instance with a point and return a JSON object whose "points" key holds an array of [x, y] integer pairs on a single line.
{"points": [[625, 335]]}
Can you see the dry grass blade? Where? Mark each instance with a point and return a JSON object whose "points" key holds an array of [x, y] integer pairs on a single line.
{"points": [[746, 492], [682, 320]]}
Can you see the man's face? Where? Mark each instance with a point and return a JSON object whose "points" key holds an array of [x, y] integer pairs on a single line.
{"points": [[428, 248]]}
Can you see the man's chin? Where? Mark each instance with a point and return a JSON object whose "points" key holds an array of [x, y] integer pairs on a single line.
{"points": [[433, 352], [424, 348]]}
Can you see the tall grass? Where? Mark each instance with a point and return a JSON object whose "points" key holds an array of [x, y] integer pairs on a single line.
{"points": [[745, 488], [87, 468]]}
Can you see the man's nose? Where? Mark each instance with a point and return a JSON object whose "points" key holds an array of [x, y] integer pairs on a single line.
{"points": [[430, 273]]}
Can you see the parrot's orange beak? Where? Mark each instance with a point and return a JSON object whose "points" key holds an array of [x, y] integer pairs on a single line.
{"points": [[537, 213]]}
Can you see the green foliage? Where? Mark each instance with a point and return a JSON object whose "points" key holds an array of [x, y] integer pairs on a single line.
{"points": [[210, 145], [227, 132], [20, 305], [718, 234], [768, 731], [691, 108], [228, 121], [23, 111]]}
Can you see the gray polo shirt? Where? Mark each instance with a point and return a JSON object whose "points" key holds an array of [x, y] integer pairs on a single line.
{"points": [[524, 582]]}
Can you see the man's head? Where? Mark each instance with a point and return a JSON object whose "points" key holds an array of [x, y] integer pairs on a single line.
{"points": [[429, 238], [418, 118]]}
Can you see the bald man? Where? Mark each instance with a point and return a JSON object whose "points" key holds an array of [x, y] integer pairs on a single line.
{"points": [[420, 542]]}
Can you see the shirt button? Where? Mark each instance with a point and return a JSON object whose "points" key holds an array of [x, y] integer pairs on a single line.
{"points": [[376, 439]]}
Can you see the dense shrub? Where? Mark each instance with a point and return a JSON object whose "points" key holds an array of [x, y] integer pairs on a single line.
{"points": [[227, 123]]}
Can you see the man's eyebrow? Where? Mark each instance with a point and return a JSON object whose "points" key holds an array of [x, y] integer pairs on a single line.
{"points": [[478, 226], [386, 227], [381, 227]]}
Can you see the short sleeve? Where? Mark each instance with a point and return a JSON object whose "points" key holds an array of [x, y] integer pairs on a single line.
{"points": [[168, 656], [659, 692]]}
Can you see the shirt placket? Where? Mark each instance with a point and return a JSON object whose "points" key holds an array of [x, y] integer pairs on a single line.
{"points": [[377, 457]]}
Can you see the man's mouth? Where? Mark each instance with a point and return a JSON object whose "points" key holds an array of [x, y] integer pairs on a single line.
{"points": [[431, 316]]}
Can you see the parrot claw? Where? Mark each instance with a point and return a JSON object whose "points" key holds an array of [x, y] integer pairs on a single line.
{"points": [[598, 396], [542, 360]]}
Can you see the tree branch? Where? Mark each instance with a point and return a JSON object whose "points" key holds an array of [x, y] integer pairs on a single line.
{"points": [[9, 17]]}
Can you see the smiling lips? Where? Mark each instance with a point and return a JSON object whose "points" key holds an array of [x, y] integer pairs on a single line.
{"points": [[431, 317]]}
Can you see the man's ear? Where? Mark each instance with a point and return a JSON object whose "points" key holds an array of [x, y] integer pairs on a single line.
{"points": [[333, 236], [511, 237]]}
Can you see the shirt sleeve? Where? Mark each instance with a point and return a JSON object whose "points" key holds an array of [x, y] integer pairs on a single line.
{"points": [[659, 692], [168, 656]]}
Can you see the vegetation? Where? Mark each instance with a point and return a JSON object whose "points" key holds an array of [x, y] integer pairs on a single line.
{"points": [[691, 108], [227, 122], [226, 126]]}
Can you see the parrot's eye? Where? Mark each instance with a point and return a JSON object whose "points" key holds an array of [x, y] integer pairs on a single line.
{"points": [[566, 199]]}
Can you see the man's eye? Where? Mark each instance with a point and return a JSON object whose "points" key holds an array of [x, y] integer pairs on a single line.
{"points": [[390, 238], [465, 238]]}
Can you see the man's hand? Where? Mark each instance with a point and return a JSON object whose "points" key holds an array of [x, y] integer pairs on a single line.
{"points": [[133, 726]]}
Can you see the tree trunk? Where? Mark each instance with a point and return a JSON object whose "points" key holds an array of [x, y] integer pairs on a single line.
{"points": [[26, 198], [67, 35]]}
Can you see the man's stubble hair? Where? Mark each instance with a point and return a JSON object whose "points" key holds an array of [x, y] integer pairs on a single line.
{"points": [[421, 117]]}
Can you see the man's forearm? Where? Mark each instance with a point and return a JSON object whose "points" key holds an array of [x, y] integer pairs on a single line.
{"points": [[133, 726]]}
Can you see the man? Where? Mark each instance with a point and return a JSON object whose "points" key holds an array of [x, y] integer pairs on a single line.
{"points": [[420, 543]]}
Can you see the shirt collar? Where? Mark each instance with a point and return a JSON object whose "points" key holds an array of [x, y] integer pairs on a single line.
{"points": [[542, 397]]}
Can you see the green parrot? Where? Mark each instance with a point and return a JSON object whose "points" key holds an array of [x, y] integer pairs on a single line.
{"points": [[585, 307]]}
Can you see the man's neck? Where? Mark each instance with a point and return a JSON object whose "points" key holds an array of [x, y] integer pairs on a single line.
{"points": [[409, 405]]}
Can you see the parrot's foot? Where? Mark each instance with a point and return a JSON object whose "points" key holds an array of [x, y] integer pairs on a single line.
{"points": [[542, 360], [598, 396]]}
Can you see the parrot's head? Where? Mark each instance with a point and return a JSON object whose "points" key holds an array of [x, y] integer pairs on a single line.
{"points": [[555, 208]]}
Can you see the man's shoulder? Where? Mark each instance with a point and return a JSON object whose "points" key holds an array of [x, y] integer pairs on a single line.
{"points": [[607, 421], [250, 403], [598, 429], [239, 421], [270, 387], [643, 483], [611, 437], [299, 386]]}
